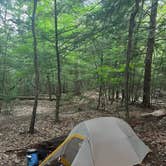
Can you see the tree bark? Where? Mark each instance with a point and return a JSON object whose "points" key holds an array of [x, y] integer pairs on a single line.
{"points": [[99, 98], [4, 54], [77, 82], [49, 87], [129, 53], [109, 93], [101, 83], [149, 53], [117, 94], [123, 95], [133, 85], [36, 90], [58, 92]]}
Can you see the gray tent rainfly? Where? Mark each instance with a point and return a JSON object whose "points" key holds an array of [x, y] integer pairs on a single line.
{"points": [[105, 141]]}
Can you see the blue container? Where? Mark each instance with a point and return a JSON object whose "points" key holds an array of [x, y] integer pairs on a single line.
{"points": [[32, 157]]}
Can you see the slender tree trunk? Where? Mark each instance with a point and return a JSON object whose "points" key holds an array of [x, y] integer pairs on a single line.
{"points": [[117, 94], [99, 98], [136, 53], [65, 86], [101, 83], [113, 93], [123, 95], [4, 74], [133, 85], [77, 82], [129, 53], [36, 90], [49, 87], [58, 92], [4, 53], [109, 93], [149, 53], [0, 106]]}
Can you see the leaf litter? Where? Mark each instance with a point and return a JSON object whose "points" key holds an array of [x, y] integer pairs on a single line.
{"points": [[14, 135]]}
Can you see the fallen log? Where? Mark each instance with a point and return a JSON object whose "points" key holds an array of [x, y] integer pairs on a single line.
{"points": [[30, 98], [43, 148], [158, 113]]}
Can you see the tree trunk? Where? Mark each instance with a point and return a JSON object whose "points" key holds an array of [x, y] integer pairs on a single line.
{"points": [[4, 55], [133, 85], [99, 98], [0, 106], [109, 93], [117, 94], [129, 53], [101, 83], [49, 87], [58, 92], [149, 53], [77, 82], [36, 90], [77, 87], [123, 95], [64, 87], [113, 93]]}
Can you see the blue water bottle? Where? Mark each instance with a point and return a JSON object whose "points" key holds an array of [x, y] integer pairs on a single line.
{"points": [[32, 157]]}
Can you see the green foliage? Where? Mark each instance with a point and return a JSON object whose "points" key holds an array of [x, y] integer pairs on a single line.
{"points": [[87, 31]]}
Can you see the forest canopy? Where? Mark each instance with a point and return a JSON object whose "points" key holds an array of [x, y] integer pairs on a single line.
{"points": [[69, 47]]}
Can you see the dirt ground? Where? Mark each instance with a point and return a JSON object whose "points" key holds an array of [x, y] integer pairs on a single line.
{"points": [[14, 127]]}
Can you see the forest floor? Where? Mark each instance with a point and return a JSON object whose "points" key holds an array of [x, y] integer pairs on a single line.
{"points": [[14, 127]]}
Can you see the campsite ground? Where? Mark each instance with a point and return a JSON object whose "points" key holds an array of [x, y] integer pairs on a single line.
{"points": [[14, 136]]}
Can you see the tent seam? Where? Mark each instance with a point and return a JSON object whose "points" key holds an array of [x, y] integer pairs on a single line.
{"points": [[90, 145]]}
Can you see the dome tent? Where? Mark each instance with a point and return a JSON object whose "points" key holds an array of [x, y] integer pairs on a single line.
{"points": [[102, 141]]}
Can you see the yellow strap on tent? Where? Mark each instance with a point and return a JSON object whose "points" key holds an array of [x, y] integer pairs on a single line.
{"points": [[60, 146], [64, 161]]}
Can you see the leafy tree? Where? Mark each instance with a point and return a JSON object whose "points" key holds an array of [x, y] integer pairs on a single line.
{"points": [[129, 52], [149, 53], [58, 92], [31, 129]]}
